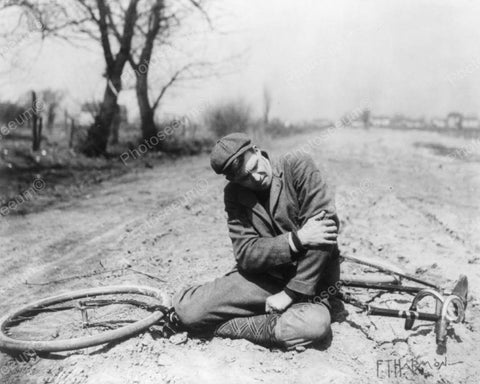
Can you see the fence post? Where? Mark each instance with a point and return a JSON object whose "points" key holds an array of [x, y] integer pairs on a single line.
{"points": [[34, 121], [72, 130]]}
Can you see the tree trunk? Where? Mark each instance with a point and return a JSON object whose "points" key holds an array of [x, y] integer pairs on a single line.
{"points": [[117, 119], [34, 122], [99, 132], [146, 111], [51, 117], [72, 132], [39, 133]]}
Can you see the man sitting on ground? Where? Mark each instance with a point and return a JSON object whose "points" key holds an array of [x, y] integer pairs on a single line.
{"points": [[283, 227]]}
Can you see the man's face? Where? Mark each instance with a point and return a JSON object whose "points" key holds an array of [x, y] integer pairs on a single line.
{"points": [[255, 172]]}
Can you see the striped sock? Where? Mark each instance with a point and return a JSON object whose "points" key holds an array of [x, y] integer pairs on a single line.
{"points": [[257, 329]]}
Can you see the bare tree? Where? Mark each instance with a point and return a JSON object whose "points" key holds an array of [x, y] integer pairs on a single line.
{"points": [[115, 62], [127, 31], [155, 35], [75, 20]]}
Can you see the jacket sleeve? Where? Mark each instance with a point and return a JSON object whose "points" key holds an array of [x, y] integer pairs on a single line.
{"points": [[253, 253], [313, 192], [313, 196]]}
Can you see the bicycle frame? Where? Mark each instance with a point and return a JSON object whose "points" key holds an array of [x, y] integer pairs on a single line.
{"points": [[443, 315]]}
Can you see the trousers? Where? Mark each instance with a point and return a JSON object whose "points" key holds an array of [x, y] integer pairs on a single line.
{"points": [[201, 308]]}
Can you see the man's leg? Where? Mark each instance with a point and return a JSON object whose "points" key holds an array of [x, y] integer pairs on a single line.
{"points": [[234, 306], [315, 268], [203, 307], [302, 324]]}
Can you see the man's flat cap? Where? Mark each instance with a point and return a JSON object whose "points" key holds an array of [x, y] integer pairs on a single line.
{"points": [[227, 149]]}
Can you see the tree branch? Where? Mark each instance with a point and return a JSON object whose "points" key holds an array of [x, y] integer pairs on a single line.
{"points": [[199, 6], [113, 26], [169, 84], [89, 10], [103, 26], [128, 29]]}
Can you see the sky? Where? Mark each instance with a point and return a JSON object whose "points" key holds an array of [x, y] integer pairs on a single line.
{"points": [[319, 59]]}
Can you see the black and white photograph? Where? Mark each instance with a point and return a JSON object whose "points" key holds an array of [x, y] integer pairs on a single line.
{"points": [[239, 191]]}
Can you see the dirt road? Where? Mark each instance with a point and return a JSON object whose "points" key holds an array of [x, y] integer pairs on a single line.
{"points": [[399, 197]]}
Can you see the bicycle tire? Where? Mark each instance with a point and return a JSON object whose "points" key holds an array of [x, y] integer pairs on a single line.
{"points": [[407, 276], [11, 344]]}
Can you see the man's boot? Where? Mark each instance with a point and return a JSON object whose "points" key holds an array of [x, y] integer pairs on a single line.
{"points": [[170, 324], [258, 329]]}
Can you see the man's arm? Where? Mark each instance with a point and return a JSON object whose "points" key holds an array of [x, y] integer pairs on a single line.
{"points": [[314, 196], [252, 252]]}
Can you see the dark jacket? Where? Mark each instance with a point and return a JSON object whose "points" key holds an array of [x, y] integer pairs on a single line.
{"points": [[260, 236]]}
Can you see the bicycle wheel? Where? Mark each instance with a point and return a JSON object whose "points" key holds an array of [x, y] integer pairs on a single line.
{"points": [[81, 319]]}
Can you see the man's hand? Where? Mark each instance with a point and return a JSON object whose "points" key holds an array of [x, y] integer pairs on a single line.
{"points": [[278, 302], [318, 231]]}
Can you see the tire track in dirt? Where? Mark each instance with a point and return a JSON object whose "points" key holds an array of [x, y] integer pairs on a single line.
{"points": [[408, 201]]}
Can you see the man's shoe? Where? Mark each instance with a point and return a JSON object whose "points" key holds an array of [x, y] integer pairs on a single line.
{"points": [[171, 323]]}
